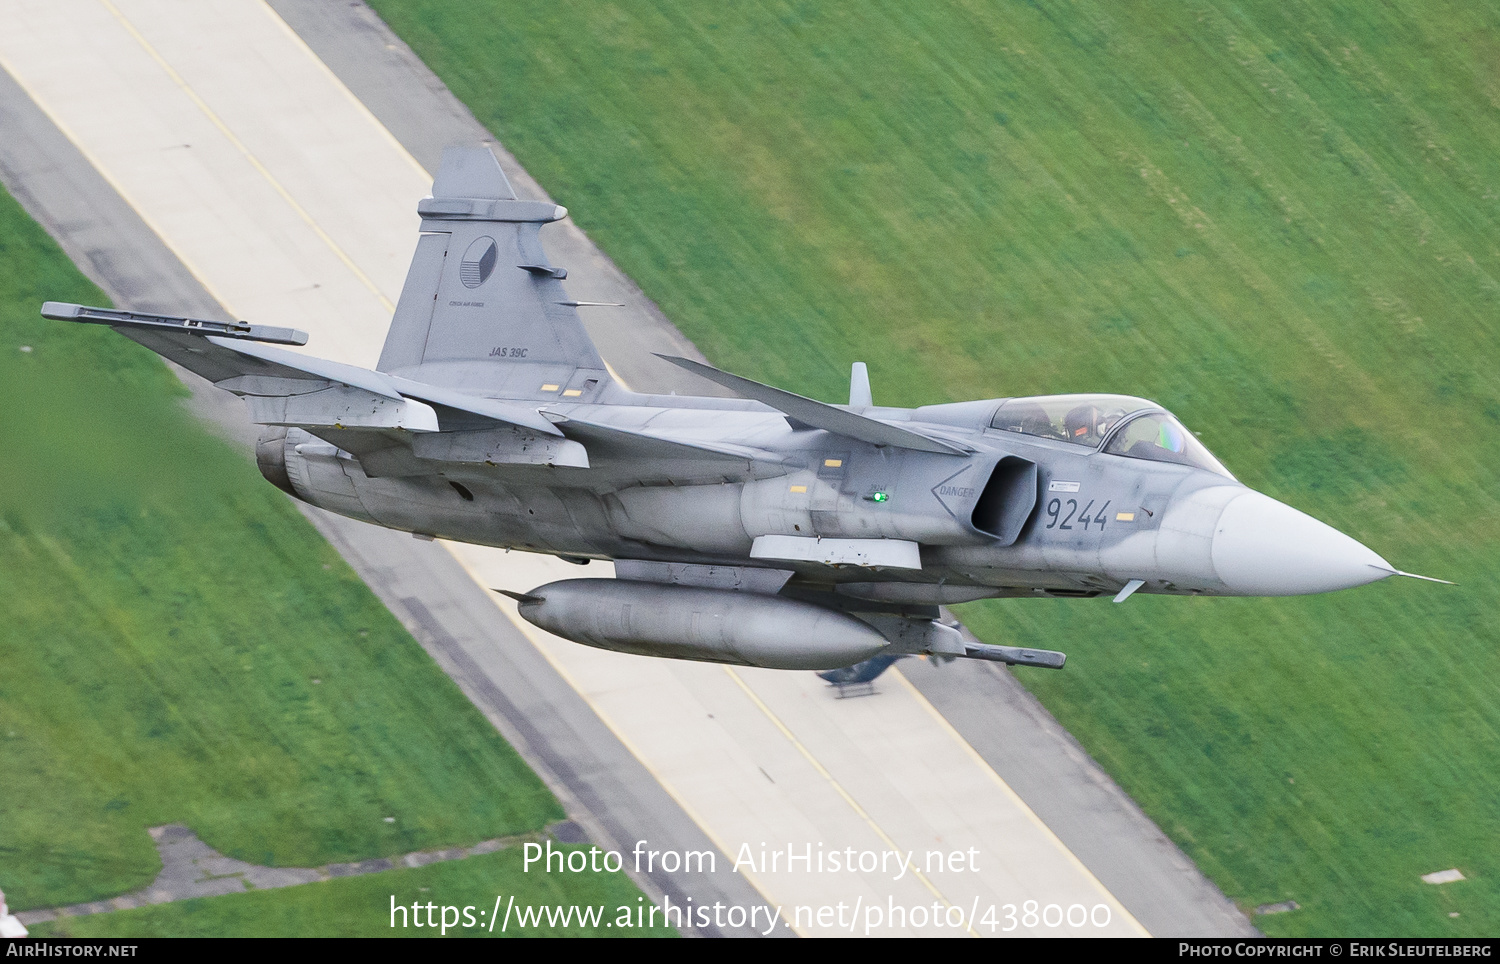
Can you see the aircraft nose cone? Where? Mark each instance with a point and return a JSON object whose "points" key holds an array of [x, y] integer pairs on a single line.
{"points": [[1262, 547]]}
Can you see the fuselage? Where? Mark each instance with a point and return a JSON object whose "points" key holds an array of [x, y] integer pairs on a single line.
{"points": [[1027, 512]]}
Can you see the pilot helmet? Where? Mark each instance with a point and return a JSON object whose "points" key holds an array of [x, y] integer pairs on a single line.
{"points": [[1082, 424]]}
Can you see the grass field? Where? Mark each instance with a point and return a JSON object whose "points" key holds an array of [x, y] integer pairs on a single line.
{"points": [[1282, 220], [361, 907], [180, 645]]}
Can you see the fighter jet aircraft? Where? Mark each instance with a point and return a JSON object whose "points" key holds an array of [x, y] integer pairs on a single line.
{"points": [[767, 529]]}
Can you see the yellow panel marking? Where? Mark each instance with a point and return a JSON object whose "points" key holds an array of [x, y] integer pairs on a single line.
{"points": [[833, 463], [549, 388], [1124, 516], [799, 488], [572, 392]]}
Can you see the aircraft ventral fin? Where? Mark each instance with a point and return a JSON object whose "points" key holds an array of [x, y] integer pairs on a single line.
{"points": [[830, 418]]}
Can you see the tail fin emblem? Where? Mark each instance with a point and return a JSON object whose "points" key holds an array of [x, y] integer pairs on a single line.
{"points": [[478, 262]]}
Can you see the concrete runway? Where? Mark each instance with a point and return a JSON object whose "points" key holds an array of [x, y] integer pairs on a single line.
{"points": [[269, 166]]}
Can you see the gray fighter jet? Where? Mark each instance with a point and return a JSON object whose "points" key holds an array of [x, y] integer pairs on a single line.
{"points": [[766, 529]]}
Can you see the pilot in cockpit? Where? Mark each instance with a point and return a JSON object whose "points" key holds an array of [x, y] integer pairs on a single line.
{"points": [[1087, 424]]}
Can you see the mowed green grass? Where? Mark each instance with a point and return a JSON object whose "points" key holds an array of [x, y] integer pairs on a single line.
{"points": [[362, 907], [178, 645], [1280, 219]]}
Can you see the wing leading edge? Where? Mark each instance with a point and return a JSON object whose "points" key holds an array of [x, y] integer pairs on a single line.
{"points": [[817, 414]]}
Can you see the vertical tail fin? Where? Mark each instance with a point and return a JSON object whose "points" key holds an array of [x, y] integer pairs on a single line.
{"points": [[483, 309]]}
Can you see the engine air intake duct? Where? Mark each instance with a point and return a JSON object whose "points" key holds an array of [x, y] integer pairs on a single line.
{"points": [[1008, 499]]}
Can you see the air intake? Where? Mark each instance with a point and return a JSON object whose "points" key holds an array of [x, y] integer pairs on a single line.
{"points": [[1007, 500]]}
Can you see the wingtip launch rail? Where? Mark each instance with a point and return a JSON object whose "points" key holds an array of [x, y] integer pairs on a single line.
{"points": [[63, 311]]}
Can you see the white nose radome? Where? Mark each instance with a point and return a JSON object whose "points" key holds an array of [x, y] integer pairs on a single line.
{"points": [[1264, 548]]}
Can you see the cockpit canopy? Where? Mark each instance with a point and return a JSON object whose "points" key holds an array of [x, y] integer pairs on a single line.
{"points": [[1132, 427], [1079, 419]]}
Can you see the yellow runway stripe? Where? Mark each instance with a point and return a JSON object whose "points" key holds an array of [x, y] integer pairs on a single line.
{"points": [[1015, 798], [527, 630], [838, 787], [245, 151], [109, 178], [296, 40]]}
